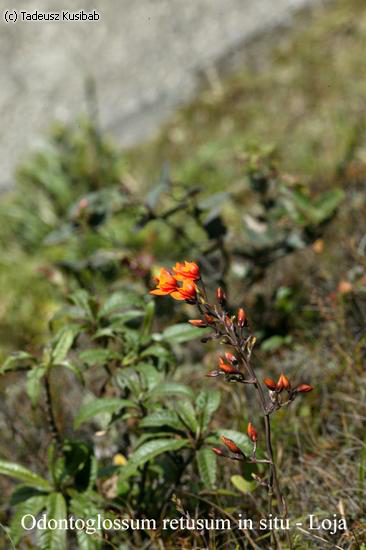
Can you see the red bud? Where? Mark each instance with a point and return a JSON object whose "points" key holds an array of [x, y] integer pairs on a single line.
{"points": [[231, 445], [221, 297], [252, 433], [197, 323], [218, 452], [303, 388], [242, 318], [271, 384]]}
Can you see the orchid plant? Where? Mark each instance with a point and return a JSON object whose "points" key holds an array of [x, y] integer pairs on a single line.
{"points": [[184, 282]]}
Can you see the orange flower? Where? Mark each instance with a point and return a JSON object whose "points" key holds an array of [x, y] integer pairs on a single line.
{"points": [[166, 283], [188, 270], [186, 292]]}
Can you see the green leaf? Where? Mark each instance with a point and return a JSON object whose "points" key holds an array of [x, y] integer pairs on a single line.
{"points": [[243, 485], [148, 451], [82, 505], [183, 332], [63, 343], [160, 418], [23, 493], [81, 299], [327, 203], [54, 539], [207, 467], [97, 356], [98, 406], [148, 319], [151, 377], [207, 402], [171, 388], [12, 362], [33, 505], [187, 413], [33, 384], [119, 300], [242, 440], [19, 472]]}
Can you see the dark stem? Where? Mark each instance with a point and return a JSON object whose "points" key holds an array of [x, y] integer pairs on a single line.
{"points": [[50, 415]]}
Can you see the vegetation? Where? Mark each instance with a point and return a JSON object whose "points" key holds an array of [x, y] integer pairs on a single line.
{"points": [[107, 412]]}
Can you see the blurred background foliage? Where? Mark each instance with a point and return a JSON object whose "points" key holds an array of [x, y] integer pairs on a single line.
{"points": [[262, 182]]}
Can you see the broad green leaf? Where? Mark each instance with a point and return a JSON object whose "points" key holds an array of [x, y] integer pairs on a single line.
{"points": [[33, 505], [119, 300], [243, 485], [63, 343], [207, 467], [85, 505], [207, 402], [187, 413], [148, 451], [54, 539], [160, 418], [151, 377], [242, 440], [183, 332], [12, 362], [97, 356], [19, 472], [102, 405], [34, 383], [82, 300], [23, 493], [171, 388]]}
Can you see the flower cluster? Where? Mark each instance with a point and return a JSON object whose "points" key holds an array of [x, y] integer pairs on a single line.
{"points": [[168, 283]]}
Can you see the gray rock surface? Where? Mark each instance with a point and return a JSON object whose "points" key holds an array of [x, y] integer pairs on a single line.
{"points": [[146, 57]]}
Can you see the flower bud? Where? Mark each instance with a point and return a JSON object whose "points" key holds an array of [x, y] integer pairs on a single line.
{"points": [[218, 452], [303, 388], [271, 384], [220, 296], [198, 323], [231, 358], [228, 322], [228, 369], [252, 433], [213, 373], [230, 445], [242, 318], [284, 383]]}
